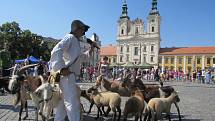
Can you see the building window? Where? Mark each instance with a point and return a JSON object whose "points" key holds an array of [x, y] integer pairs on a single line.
{"points": [[152, 48], [166, 60], [152, 59], [136, 31], [109, 60], [189, 60], [152, 20], [208, 61], [127, 48], [121, 49], [172, 60], [180, 60], [213, 60], [153, 29], [120, 59], [144, 48], [144, 58], [127, 58], [198, 60], [122, 31], [114, 60], [135, 50]]}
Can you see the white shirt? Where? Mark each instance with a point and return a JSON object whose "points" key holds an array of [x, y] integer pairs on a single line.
{"points": [[66, 52]]}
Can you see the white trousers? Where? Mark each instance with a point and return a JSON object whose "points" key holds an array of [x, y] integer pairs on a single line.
{"points": [[70, 104]]}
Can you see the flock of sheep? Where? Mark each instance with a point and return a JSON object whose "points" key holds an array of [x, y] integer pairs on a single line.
{"points": [[148, 101]]}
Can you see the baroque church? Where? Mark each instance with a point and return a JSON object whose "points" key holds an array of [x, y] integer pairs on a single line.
{"points": [[136, 44], [139, 46]]}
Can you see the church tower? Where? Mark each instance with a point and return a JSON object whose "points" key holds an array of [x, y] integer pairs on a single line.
{"points": [[135, 44], [153, 24], [123, 22]]}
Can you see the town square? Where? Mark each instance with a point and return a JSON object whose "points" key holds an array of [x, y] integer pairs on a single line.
{"points": [[107, 60]]}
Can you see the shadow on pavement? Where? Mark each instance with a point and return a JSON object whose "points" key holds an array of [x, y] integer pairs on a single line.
{"points": [[191, 119], [174, 117], [15, 109]]}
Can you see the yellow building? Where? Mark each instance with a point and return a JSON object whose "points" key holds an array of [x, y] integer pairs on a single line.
{"points": [[178, 58], [186, 58], [110, 52]]}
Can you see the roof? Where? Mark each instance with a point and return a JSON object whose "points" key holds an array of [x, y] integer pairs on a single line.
{"points": [[187, 50], [108, 50]]}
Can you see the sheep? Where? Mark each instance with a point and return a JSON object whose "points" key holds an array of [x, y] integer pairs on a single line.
{"points": [[86, 95], [51, 96], [157, 106], [134, 105], [110, 99]]}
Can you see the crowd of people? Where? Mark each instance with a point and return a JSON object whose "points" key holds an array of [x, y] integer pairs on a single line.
{"points": [[201, 76]]}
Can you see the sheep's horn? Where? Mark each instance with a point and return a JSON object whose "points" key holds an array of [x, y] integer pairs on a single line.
{"points": [[22, 69], [14, 69]]}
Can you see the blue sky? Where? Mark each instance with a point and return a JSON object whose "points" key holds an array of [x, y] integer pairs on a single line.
{"points": [[184, 22]]}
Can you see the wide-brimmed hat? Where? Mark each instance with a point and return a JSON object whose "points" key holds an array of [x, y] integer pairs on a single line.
{"points": [[76, 24]]}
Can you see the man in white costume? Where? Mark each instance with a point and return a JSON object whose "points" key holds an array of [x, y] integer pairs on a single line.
{"points": [[66, 58]]}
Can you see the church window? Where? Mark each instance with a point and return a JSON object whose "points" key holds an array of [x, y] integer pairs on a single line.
{"points": [[122, 31], [135, 50], [144, 48], [144, 58], [152, 48], [152, 20], [127, 48], [153, 29], [136, 31], [127, 57], [120, 58], [152, 59], [121, 49]]}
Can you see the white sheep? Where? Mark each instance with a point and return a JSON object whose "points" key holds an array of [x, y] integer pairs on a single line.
{"points": [[110, 99], [157, 106], [51, 96], [134, 105]]}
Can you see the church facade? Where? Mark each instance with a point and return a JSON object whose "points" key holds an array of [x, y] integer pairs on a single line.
{"points": [[139, 46], [135, 43]]}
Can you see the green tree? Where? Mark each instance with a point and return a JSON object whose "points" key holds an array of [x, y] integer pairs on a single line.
{"points": [[22, 43], [10, 34]]}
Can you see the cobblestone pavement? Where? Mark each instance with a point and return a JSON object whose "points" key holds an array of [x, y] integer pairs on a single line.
{"points": [[197, 104]]}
